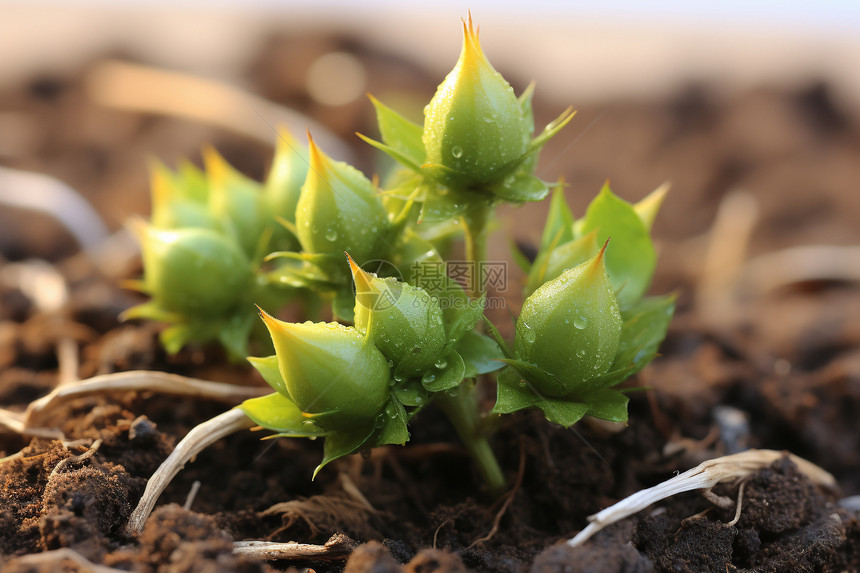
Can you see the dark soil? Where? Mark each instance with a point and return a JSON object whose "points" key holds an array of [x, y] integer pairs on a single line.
{"points": [[786, 361]]}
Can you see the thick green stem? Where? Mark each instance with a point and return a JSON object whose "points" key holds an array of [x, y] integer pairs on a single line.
{"points": [[476, 219], [461, 407]]}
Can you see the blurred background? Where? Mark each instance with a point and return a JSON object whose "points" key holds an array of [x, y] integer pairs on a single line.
{"points": [[755, 99]]}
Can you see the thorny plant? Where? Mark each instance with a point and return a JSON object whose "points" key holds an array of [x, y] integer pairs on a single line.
{"points": [[218, 243]]}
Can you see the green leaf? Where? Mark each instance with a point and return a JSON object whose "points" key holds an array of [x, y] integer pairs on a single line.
{"points": [[525, 101], [520, 257], [234, 334], [563, 412], [630, 258], [645, 326], [608, 404], [480, 353], [438, 206], [535, 374], [343, 305], [276, 412], [497, 337], [342, 444], [396, 154], [521, 187], [558, 228], [268, 367], [551, 130], [447, 377], [393, 430], [411, 393], [513, 393], [400, 133], [460, 313]]}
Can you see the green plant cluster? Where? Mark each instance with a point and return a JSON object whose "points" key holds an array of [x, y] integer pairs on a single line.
{"points": [[218, 243]]}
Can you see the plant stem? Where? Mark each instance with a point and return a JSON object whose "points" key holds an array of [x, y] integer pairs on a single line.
{"points": [[461, 407], [476, 220]]}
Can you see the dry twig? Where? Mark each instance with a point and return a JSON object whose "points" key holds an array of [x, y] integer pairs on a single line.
{"points": [[706, 475], [337, 548], [197, 440]]}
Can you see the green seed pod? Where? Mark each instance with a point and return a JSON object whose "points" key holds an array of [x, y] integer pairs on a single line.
{"points": [[338, 210], [474, 125], [403, 321], [331, 372], [570, 327], [193, 271]]}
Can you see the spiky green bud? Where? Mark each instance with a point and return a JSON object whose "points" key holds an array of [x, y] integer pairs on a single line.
{"points": [[331, 372], [403, 321], [338, 211], [193, 271], [570, 327]]}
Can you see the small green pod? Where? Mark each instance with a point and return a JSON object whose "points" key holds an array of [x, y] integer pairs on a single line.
{"points": [[403, 321], [474, 124], [570, 327], [331, 372], [338, 210], [193, 271]]}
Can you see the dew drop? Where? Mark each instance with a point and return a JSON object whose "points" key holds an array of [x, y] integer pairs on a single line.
{"points": [[457, 151], [428, 378], [331, 234], [580, 353], [580, 322], [441, 363], [416, 350]]}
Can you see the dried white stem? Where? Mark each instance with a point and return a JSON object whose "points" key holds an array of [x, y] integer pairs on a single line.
{"points": [[704, 476], [199, 438], [799, 264], [58, 560], [42, 193], [140, 381], [728, 241], [338, 547]]}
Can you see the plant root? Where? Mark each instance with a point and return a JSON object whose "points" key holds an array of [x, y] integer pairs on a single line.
{"points": [[733, 468], [509, 497], [198, 439]]}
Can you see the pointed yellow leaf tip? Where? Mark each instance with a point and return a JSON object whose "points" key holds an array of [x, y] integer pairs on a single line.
{"points": [[216, 166], [361, 278], [648, 207], [161, 185], [276, 327], [598, 262], [317, 157], [472, 54]]}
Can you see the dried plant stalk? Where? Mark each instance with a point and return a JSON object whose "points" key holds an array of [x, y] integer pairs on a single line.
{"points": [[197, 440], [706, 475], [338, 547], [139, 381]]}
